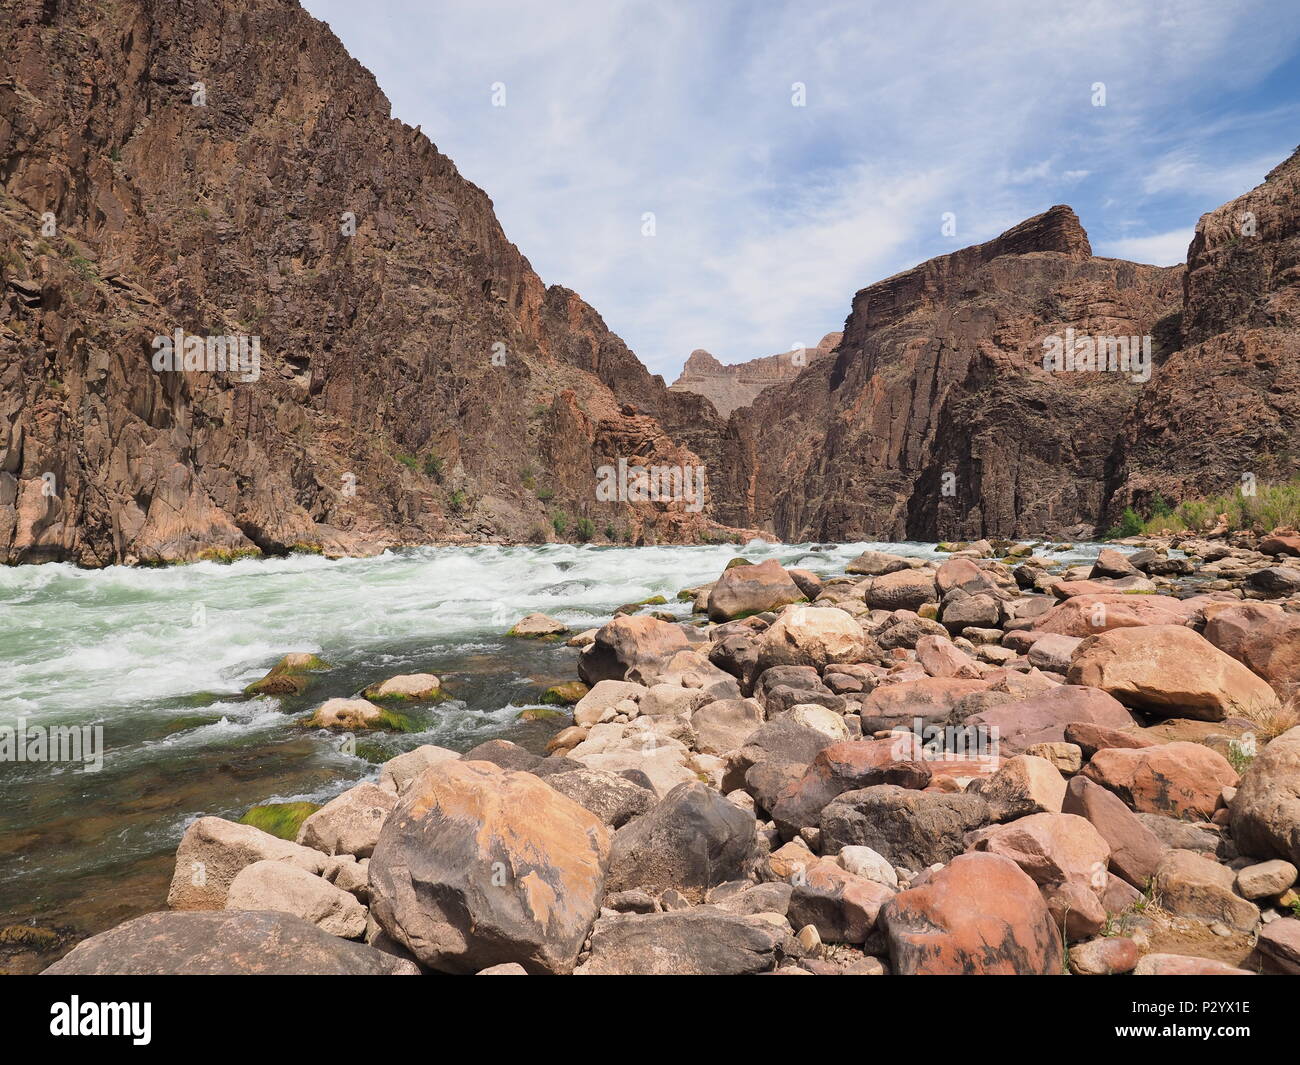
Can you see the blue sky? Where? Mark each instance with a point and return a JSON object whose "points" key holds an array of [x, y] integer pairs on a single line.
{"points": [[768, 216]]}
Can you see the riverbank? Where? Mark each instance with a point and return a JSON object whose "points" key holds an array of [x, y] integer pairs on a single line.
{"points": [[363, 620]]}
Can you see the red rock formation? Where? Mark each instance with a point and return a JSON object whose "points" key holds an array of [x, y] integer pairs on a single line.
{"points": [[423, 333], [936, 417], [1227, 404], [738, 385]]}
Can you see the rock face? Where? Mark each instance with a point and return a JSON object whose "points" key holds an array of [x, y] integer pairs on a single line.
{"points": [[411, 363], [940, 371], [980, 914], [225, 943], [479, 866], [1229, 397], [739, 384]]}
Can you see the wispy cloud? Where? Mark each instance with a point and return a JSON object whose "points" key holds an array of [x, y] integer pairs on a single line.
{"points": [[769, 216], [1159, 249]]}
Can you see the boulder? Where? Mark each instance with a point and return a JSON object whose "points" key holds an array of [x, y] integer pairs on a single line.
{"points": [[701, 941], [406, 686], [1264, 638], [1171, 671], [1278, 947], [481, 866], [1191, 885], [225, 943], [876, 564], [610, 796], [940, 657], [604, 695], [663, 759], [961, 611], [746, 590], [212, 851], [1185, 965], [849, 766], [912, 829], [932, 700], [671, 700], [1053, 652], [809, 583], [1088, 615], [1280, 543], [842, 907], [289, 676], [811, 636], [626, 642], [504, 755], [349, 823], [1066, 857], [396, 774], [1182, 780], [864, 862], [724, 725], [1112, 563], [1044, 718], [285, 888], [1265, 880], [1266, 808], [1104, 957], [904, 589], [692, 840], [1275, 580], [1135, 851], [1091, 738], [979, 915], [538, 627], [1021, 786], [349, 715]]}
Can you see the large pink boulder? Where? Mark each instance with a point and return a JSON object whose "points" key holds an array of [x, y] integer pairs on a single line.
{"points": [[1087, 615], [1263, 637], [1066, 857], [745, 590], [1182, 780], [1172, 671], [979, 914], [1043, 718]]}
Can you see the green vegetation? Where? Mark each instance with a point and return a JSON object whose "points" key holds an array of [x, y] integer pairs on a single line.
{"points": [[433, 465], [409, 461], [1267, 507], [282, 819], [584, 530], [559, 522], [457, 501]]}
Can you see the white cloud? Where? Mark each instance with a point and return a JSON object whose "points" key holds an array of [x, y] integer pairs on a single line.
{"points": [[769, 216], [1159, 249]]}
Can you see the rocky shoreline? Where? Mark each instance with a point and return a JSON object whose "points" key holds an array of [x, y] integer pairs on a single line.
{"points": [[988, 763]]}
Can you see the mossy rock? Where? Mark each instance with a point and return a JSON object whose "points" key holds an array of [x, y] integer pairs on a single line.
{"points": [[395, 722], [306, 549], [225, 556], [282, 819], [28, 937], [737, 562], [541, 713], [289, 676], [182, 724], [564, 694]]}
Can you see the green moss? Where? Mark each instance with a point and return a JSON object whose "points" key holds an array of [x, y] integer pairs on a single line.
{"points": [[736, 562], [25, 935], [395, 722], [564, 694], [282, 819], [541, 713], [225, 555], [303, 548], [289, 676]]}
